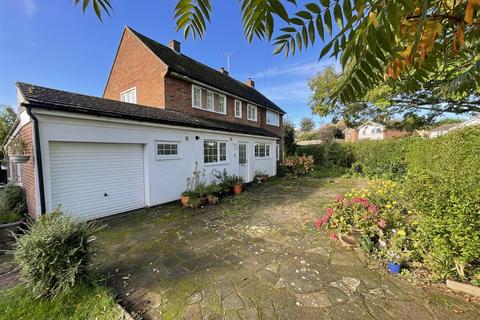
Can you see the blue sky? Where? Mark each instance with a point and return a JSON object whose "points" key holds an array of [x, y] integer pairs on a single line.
{"points": [[51, 43]]}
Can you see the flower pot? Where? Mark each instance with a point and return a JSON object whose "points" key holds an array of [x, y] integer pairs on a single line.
{"points": [[19, 158], [238, 188], [394, 267], [184, 200], [4, 167], [7, 229]]}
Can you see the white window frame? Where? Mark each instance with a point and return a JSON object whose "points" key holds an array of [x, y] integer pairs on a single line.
{"points": [[218, 142], [267, 150], [239, 114], [277, 152], [126, 93], [277, 117], [169, 156], [199, 106], [212, 94], [255, 113]]}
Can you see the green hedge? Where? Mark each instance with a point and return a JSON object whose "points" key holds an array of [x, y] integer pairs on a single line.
{"points": [[443, 187], [332, 154]]}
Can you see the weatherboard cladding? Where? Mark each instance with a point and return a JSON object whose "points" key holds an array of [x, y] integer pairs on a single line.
{"points": [[181, 64], [47, 98]]}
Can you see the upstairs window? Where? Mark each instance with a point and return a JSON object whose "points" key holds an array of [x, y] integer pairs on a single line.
{"points": [[208, 100], [129, 95], [262, 150], [238, 109], [214, 151], [273, 118], [251, 112]]}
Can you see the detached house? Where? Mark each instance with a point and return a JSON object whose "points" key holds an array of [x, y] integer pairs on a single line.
{"points": [[372, 131], [162, 112]]}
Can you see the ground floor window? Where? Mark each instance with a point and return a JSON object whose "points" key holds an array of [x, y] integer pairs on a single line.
{"points": [[214, 151], [262, 150], [167, 150]]}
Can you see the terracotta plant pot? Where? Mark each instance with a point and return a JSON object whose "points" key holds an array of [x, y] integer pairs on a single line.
{"points": [[184, 200], [238, 188]]}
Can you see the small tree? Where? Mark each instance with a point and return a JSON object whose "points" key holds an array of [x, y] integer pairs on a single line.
{"points": [[289, 137], [307, 124]]}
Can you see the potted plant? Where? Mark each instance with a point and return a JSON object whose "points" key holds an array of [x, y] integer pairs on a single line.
{"points": [[261, 177], [196, 187], [185, 197], [4, 165], [237, 183], [394, 262], [213, 190], [18, 151]]}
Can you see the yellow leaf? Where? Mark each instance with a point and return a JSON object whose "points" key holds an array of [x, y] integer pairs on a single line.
{"points": [[469, 13], [372, 19]]}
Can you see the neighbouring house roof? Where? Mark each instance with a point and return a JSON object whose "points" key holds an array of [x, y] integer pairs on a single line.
{"points": [[52, 99], [372, 123], [445, 127], [180, 63]]}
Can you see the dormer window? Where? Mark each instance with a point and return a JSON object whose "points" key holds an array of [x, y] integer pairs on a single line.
{"points": [[273, 118], [251, 112], [129, 95], [208, 100]]}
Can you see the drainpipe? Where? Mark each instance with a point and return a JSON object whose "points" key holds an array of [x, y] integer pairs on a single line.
{"points": [[38, 155]]}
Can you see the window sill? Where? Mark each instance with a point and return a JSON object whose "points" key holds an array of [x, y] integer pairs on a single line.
{"points": [[253, 120], [273, 125], [167, 158], [213, 111], [263, 158], [213, 164]]}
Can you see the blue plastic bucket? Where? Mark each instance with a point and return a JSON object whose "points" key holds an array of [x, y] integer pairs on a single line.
{"points": [[394, 267]]}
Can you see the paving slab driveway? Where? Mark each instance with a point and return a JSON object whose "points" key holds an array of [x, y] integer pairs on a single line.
{"points": [[256, 256]]}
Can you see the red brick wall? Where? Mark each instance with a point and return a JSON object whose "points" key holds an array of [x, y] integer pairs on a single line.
{"points": [[136, 66], [178, 97], [28, 169], [351, 135]]}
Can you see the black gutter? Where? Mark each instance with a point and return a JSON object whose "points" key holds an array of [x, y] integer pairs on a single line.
{"points": [[38, 155]]}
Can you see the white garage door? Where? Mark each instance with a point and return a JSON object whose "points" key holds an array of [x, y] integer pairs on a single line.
{"points": [[91, 180]]}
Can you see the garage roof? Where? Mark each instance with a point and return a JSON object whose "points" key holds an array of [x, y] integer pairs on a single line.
{"points": [[41, 97]]}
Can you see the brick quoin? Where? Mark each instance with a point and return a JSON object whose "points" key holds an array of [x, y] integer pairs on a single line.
{"points": [[28, 169], [136, 66]]}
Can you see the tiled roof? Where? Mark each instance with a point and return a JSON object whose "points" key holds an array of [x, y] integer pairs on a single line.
{"points": [[445, 127], [195, 70], [47, 98]]}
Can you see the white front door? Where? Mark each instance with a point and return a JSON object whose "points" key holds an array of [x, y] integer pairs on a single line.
{"points": [[243, 161]]}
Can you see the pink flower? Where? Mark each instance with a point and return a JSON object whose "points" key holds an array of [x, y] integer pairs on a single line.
{"points": [[333, 236], [339, 198], [318, 223], [382, 243], [373, 208], [361, 201], [382, 224], [329, 212]]}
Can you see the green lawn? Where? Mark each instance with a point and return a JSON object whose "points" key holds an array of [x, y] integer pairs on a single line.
{"points": [[84, 303]]}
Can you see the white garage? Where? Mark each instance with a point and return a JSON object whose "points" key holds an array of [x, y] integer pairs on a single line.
{"points": [[92, 180]]}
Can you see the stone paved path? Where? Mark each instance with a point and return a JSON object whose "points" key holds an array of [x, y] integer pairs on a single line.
{"points": [[256, 256]]}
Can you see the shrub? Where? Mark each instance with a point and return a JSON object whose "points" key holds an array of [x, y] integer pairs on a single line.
{"points": [[299, 165], [54, 254], [14, 199], [443, 187], [332, 154]]}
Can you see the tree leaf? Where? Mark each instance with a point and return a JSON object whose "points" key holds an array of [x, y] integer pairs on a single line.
{"points": [[327, 18], [337, 12]]}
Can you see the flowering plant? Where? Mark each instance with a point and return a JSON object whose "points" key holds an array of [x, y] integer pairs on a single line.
{"points": [[299, 165]]}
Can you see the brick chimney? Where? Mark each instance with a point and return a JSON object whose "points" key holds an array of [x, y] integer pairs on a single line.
{"points": [[223, 71], [174, 45], [250, 83]]}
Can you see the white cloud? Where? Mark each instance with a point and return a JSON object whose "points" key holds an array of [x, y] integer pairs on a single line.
{"points": [[293, 92], [296, 69], [29, 7]]}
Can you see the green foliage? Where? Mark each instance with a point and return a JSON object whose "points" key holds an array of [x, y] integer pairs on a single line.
{"points": [[98, 6], [85, 301], [299, 165], [54, 254], [332, 154], [443, 187], [7, 119], [14, 200], [381, 159], [308, 135], [289, 137], [307, 124]]}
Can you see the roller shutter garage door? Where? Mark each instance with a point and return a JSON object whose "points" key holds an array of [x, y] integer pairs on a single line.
{"points": [[92, 180]]}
